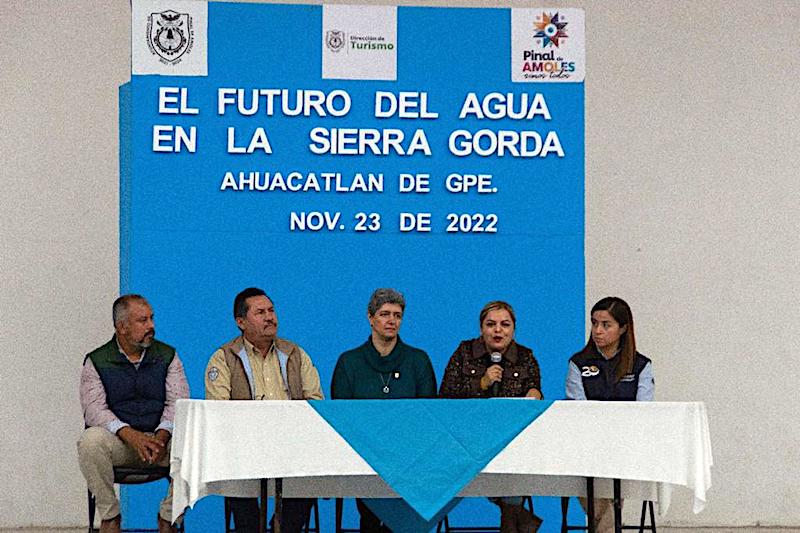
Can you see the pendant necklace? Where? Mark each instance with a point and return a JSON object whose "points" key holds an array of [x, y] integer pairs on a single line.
{"points": [[385, 382]]}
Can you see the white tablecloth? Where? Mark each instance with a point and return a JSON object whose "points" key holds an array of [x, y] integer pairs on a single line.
{"points": [[226, 447]]}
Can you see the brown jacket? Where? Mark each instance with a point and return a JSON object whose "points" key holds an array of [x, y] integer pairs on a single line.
{"points": [[240, 384], [462, 377]]}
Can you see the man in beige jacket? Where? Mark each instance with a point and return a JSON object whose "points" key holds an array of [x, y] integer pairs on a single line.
{"points": [[258, 365]]}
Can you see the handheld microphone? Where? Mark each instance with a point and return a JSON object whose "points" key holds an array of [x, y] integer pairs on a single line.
{"points": [[497, 359]]}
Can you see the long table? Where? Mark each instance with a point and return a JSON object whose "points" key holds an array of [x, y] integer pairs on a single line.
{"points": [[229, 447]]}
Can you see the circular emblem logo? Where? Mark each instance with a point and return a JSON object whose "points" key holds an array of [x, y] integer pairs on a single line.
{"points": [[169, 40], [170, 35], [334, 40]]}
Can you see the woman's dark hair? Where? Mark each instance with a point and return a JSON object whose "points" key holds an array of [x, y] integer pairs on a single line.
{"points": [[621, 311], [496, 305]]}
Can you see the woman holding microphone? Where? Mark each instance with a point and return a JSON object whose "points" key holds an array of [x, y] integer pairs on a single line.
{"points": [[494, 365]]}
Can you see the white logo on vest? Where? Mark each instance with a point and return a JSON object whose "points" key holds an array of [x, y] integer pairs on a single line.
{"points": [[589, 371]]}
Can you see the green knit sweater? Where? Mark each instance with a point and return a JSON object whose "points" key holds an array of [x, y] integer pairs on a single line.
{"points": [[362, 373]]}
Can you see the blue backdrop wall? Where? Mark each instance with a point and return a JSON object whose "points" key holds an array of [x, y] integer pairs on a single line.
{"points": [[192, 238]]}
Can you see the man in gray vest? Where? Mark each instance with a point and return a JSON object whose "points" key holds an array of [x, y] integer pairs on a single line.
{"points": [[128, 391], [258, 365]]}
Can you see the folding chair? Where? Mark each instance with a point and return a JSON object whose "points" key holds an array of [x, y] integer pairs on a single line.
{"points": [[131, 476], [646, 505], [307, 528]]}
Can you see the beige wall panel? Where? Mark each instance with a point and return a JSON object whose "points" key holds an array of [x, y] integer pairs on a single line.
{"points": [[60, 65]]}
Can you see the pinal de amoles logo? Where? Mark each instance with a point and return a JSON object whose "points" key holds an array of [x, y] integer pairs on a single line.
{"points": [[550, 29], [334, 40], [170, 35]]}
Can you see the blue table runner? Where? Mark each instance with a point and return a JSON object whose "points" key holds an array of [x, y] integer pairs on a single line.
{"points": [[427, 450]]}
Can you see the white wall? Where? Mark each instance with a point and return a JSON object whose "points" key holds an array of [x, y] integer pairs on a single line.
{"points": [[692, 136], [693, 130], [60, 64]]}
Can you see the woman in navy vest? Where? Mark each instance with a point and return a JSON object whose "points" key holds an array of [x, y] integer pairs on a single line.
{"points": [[609, 368]]}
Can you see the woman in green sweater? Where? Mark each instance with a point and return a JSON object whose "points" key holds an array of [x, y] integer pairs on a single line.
{"points": [[384, 367]]}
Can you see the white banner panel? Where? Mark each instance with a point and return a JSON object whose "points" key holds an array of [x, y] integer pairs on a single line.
{"points": [[359, 42], [548, 45], [169, 38]]}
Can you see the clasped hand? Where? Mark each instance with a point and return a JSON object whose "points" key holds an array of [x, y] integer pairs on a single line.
{"points": [[150, 448]]}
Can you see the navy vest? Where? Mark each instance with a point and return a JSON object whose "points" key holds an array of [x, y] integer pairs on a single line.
{"points": [[135, 396], [598, 375]]}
